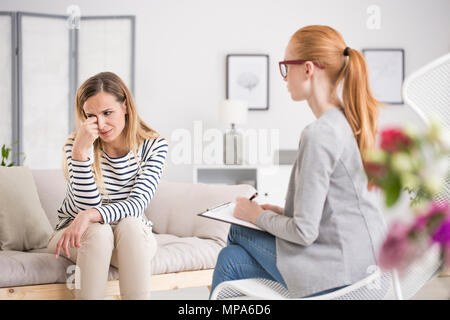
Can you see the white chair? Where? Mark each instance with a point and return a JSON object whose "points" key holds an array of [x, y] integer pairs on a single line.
{"points": [[427, 92], [378, 285]]}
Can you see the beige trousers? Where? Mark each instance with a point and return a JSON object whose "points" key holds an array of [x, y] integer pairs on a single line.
{"points": [[128, 246]]}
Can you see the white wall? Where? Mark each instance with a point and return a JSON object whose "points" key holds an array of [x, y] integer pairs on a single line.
{"points": [[181, 47]]}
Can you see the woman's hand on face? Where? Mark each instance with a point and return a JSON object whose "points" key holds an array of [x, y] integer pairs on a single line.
{"points": [[273, 208], [247, 210], [72, 235], [86, 135]]}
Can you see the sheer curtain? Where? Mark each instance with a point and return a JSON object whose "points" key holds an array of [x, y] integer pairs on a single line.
{"points": [[6, 81], [106, 44], [44, 89]]}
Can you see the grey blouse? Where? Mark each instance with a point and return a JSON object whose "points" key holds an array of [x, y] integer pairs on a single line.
{"points": [[332, 227]]}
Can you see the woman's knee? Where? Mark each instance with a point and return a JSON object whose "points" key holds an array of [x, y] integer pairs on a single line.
{"points": [[228, 256], [234, 231], [130, 231], [98, 234], [129, 224]]}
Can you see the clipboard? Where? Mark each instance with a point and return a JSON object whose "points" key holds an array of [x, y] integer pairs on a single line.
{"points": [[224, 213]]}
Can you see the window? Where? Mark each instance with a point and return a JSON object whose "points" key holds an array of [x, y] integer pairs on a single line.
{"points": [[39, 80]]}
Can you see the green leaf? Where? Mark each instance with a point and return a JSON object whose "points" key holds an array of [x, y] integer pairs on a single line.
{"points": [[393, 190], [4, 151], [11, 164]]}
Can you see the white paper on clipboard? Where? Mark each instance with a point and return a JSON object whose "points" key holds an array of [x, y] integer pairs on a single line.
{"points": [[224, 213]]}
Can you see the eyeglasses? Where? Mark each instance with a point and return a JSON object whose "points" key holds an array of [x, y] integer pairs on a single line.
{"points": [[283, 65]]}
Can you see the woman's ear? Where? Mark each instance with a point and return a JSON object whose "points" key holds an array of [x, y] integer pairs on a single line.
{"points": [[309, 68], [125, 107]]}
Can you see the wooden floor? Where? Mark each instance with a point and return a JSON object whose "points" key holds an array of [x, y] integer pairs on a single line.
{"points": [[436, 289]]}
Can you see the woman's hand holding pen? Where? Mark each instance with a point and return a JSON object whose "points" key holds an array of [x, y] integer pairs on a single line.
{"points": [[87, 133], [247, 210]]}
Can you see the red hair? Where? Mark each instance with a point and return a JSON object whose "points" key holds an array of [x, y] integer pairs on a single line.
{"points": [[324, 45]]}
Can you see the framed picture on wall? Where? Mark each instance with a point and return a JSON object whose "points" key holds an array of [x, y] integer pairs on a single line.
{"points": [[248, 79], [386, 73]]}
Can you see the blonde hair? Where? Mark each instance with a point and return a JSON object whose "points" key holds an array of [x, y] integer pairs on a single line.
{"points": [[136, 130], [324, 45]]}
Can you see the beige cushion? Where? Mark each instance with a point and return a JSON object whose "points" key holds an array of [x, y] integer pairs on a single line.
{"points": [[23, 222], [177, 254], [51, 186], [175, 205]]}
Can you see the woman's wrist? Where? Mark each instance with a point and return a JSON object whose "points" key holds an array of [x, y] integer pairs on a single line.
{"points": [[256, 214], [79, 155], [95, 216], [92, 215]]}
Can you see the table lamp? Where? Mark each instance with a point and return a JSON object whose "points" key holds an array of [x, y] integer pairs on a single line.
{"points": [[233, 112]]}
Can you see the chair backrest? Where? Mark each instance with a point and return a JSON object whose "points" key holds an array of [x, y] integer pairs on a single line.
{"points": [[427, 92]]}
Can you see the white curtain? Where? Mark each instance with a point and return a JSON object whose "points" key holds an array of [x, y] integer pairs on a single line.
{"points": [[105, 45], [45, 90], [5, 82]]}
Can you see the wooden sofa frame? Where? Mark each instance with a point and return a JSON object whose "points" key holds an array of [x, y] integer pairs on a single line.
{"points": [[159, 282]]}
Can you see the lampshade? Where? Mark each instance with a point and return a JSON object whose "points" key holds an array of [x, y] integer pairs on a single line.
{"points": [[234, 111]]}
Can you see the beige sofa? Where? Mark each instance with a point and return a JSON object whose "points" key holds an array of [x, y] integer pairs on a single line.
{"points": [[188, 245]]}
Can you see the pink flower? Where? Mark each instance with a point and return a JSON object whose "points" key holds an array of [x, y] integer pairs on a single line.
{"points": [[442, 233], [436, 212], [396, 246], [393, 140]]}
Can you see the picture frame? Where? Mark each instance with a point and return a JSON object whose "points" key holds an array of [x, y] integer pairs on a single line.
{"points": [[247, 78], [386, 73]]}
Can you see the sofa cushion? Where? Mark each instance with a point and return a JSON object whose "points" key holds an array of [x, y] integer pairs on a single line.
{"points": [[175, 207], [52, 187], [25, 268], [23, 223], [177, 254], [174, 254]]}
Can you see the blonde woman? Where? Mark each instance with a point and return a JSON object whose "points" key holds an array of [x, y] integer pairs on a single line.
{"points": [[113, 164], [326, 237]]}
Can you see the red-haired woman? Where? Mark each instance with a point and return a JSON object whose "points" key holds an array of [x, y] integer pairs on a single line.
{"points": [[326, 237]]}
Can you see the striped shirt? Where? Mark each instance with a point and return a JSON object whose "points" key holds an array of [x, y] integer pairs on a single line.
{"points": [[129, 187]]}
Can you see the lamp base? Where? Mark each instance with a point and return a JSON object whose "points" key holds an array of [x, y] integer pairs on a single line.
{"points": [[233, 147]]}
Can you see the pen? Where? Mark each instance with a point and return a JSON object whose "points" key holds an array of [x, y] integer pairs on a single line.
{"points": [[253, 196]]}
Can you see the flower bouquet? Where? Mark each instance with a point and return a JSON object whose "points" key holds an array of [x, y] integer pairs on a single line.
{"points": [[416, 163]]}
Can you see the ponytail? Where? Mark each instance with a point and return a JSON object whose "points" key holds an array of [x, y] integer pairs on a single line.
{"points": [[359, 105]]}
